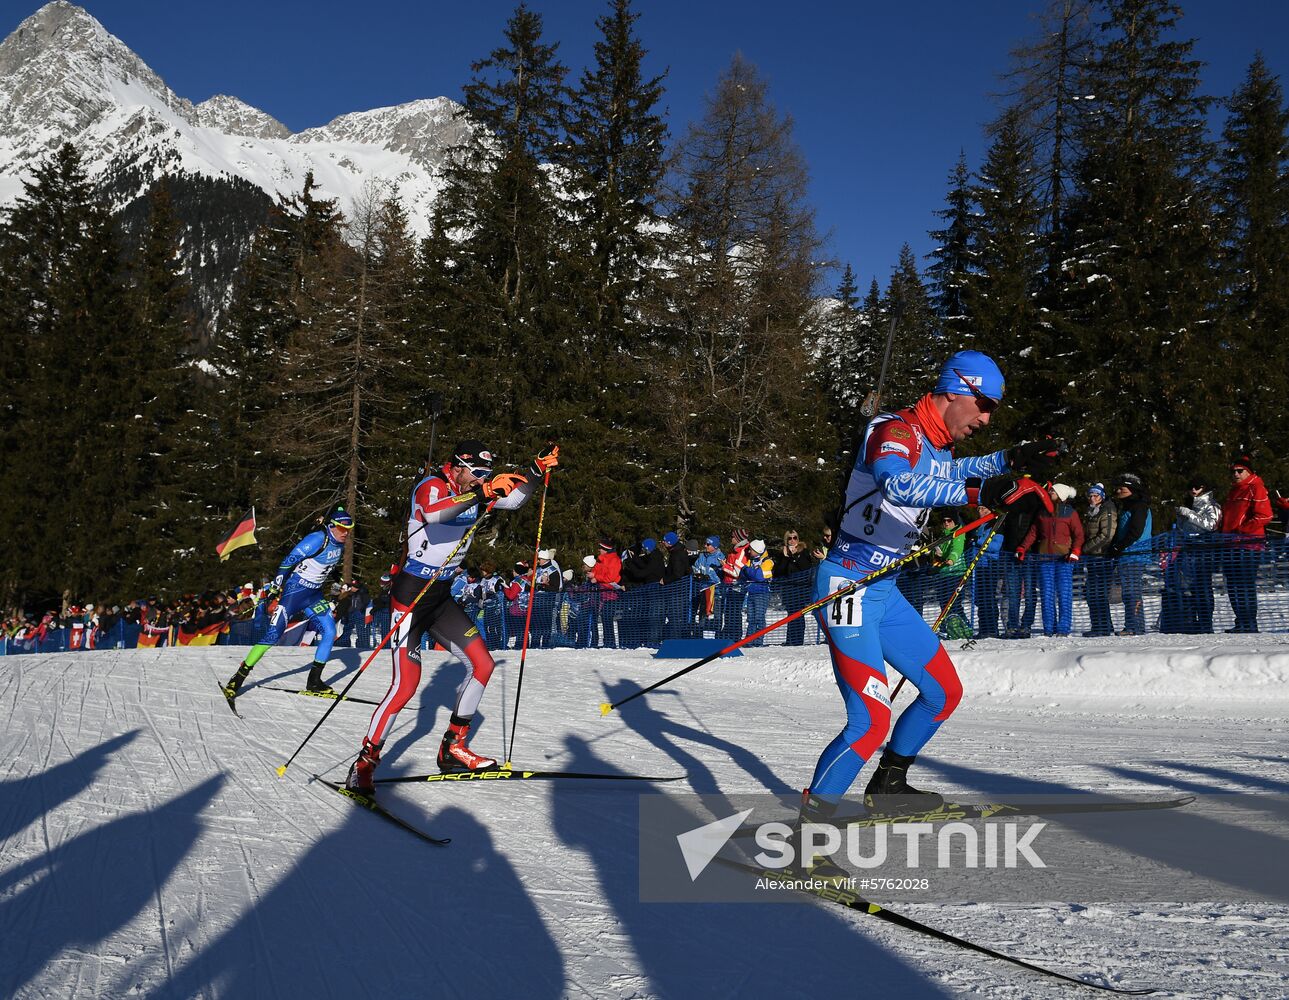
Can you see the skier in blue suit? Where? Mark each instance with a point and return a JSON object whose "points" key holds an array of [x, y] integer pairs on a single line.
{"points": [[298, 589], [903, 469]]}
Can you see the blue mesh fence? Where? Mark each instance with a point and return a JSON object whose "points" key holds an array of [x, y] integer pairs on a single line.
{"points": [[1177, 584]]}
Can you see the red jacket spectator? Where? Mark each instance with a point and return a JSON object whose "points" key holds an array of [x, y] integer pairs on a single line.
{"points": [[732, 567], [1057, 534], [607, 572], [1247, 508]]}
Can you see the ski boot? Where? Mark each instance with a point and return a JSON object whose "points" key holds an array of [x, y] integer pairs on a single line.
{"points": [[820, 810], [455, 755], [889, 792], [362, 771], [234, 684], [314, 684]]}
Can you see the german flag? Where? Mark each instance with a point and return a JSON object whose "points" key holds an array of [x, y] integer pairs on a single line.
{"points": [[190, 635], [152, 636], [243, 534]]}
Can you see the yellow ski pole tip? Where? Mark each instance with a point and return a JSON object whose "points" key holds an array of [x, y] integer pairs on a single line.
{"points": [[507, 766], [281, 771], [605, 708]]}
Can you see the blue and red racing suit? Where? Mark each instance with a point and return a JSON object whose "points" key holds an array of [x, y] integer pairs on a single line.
{"points": [[905, 467]]}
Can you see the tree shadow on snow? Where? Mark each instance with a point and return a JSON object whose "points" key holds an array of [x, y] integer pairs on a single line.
{"points": [[717, 950], [995, 782], [669, 735], [1227, 780], [369, 911], [1231, 853], [24, 800], [1183, 837], [82, 891]]}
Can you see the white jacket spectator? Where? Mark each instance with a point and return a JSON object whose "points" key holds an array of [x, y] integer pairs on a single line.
{"points": [[1204, 513]]}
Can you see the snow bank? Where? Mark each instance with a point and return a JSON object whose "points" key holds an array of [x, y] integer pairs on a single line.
{"points": [[1241, 676]]}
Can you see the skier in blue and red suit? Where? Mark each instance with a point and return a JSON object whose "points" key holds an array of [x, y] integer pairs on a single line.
{"points": [[903, 469]]}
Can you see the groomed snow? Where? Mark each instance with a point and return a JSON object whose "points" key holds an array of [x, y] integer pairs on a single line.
{"points": [[148, 848]]}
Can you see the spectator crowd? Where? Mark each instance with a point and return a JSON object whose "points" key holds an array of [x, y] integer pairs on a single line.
{"points": [[640, 593]]}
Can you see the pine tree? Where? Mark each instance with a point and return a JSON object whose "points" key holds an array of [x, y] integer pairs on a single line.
{"points": [[498, 197], [312, 420], [60, 315], [874, 330], [1138, 289], [239, 396], [387, 381], [840, 348], [1046, 88], [1002, 296], [1253, 192], [98, 553], [164, 513], [949, 276], [917, 349], [272, 409], [747, 419], [850, 352], [615, 157]]}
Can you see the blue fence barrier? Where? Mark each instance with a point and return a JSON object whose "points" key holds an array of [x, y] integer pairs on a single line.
{"points": [[1178, 584]]}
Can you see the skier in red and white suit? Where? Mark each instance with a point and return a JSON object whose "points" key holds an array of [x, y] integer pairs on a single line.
{"points": [[435, 529]]}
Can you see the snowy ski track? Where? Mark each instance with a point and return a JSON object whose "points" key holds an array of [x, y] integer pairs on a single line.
{"points": [[147, 848]]}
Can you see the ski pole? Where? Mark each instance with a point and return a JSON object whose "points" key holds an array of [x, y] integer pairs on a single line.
{"points": [[281, 771], [944, 611], [436, 408], [850, 588], [874, 398], [528, 618]]}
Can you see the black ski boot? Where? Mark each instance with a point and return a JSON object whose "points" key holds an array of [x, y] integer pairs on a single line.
{"points": [[889, 792], [815, 809], [314, 684], [234, 684]]}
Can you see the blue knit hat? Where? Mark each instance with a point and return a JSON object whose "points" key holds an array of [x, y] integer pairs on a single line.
{"points": [[670, 538], [714, 541], [649, 544], [1098, 489], [968, 369]]}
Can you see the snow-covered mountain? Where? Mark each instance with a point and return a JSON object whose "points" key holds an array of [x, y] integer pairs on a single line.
{"points": [[63, 77]]}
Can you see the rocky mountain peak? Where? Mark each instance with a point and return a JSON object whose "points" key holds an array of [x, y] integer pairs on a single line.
{"points": [[60, 71], [66, 78], [423, 129], [236, 117]]}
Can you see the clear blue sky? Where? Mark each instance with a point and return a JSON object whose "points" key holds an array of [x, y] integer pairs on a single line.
{"points": [[884, 95]]}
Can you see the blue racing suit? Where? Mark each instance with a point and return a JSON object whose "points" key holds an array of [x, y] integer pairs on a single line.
{"points": [[301, 578], [904, 468]]}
